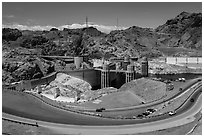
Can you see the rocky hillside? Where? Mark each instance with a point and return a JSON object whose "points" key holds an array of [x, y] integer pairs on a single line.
{"points": [[10, 34], [185, 30], [134, 41], [22, 64], [68, 86], [180, 36]]}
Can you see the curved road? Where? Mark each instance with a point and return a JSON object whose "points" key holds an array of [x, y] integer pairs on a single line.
{"points": [[184, 115], [151, 104], [174, 121], [28, 106]]}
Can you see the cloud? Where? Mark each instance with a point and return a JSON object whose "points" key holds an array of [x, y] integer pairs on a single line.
{"points": [[102, 28], [25, 27]]}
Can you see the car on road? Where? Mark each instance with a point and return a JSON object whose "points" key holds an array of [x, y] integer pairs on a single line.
{"points": [[146, 113], [192, 100], [140, 116], [103, 109], [100, 109], [134, 117], [171, 113]]}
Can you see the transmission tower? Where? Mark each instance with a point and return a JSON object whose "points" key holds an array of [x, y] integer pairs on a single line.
{"points": [[117, 23], [87, 22]]}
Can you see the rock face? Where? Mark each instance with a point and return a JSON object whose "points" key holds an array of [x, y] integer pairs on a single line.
{"points": [[26, 69], [7, 77], [134, 41], [10, 34], [185, 30], [68, 86]]}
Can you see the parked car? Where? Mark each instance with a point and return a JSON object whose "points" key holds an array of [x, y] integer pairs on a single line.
{"points": [[170, 87], [167, 81], [150, 112], [182, 79]]}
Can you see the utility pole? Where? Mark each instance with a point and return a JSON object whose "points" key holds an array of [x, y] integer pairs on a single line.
{"points": [[68, 25], [66, 35]]}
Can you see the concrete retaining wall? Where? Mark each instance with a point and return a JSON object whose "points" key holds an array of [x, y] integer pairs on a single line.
{"points": [[192, 60], [171, 60], [43, 80], [177, 60], [200, 60], [29, 84], [90, 75], [181, 60]]}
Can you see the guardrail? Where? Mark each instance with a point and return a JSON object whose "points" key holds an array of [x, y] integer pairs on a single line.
{"points": [[35, 124], [187, 98], [176, 109], [44, 99], [20, 122]]}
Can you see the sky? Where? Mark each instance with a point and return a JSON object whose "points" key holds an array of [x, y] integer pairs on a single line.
{"points": [[102, 15]]}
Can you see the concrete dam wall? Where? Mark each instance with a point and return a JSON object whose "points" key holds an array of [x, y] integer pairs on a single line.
{"points": [[89, 75], [93, 77], [96, 78]]}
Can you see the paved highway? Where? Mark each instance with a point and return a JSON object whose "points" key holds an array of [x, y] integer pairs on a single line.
{"points": [[184, 115], [148, 105], [181, 119]]}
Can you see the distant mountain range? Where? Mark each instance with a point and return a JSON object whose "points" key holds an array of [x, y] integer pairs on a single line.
{"points": [[180, 36], [103, 28]]}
